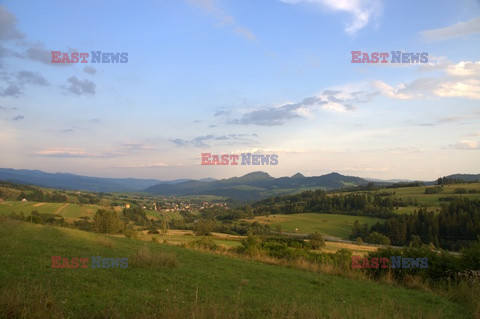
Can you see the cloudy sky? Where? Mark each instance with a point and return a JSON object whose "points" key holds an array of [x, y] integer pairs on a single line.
{"points": [[229, 76]]}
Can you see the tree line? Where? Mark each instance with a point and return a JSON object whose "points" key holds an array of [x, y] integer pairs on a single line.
{"points": [[318, 201], [456, 225]]}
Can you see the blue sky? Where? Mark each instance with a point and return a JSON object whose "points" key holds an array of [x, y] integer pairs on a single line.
{"points": [[229, 76]]}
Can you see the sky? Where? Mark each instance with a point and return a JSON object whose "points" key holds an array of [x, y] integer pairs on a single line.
{"points": [[232, 77]]}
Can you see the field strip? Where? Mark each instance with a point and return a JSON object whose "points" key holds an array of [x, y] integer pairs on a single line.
{"points": [[61, 208], [38, 204]]}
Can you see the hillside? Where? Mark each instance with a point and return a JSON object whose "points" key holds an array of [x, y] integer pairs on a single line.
{"points": [[183, 283], [257, 185]]}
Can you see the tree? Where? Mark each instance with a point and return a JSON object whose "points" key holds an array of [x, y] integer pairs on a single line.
{"points": [[377, 238], [316, 241], [106, 221], [164, 227], [204, 227]]}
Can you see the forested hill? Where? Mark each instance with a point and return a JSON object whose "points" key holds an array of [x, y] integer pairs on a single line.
{"points": [[361, 204], [257, 185]]}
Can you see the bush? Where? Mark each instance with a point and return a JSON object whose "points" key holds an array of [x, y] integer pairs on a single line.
{"points": [[203, 243], [377, 238], [471, 257], [204, 227], [153, 231], [316, 241], [440, 265], [433, 190], [130, 233], [251, 245]]}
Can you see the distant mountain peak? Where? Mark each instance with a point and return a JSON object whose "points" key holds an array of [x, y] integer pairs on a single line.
{"points": [[298, 175], [333, 174], [257, 175]]}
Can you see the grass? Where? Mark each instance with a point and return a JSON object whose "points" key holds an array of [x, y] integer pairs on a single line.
{"points": [[148, 258], [308, 223], [201, 285], [178, 237], [67, 210]]}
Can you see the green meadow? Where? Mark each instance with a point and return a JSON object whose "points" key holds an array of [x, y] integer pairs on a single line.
{"points": [[308, 223], [67, 210], [164, 281]]}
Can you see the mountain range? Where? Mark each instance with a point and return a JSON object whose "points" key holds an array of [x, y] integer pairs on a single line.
{"points": [[252, 186], [257, 185], [78, 182]]}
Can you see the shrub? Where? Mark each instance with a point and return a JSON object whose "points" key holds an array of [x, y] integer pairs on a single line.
{"points": [[251, 245], [153, 231], [316, 241], [203, 243], [130, 233], [440, 265], [377, 238], [433, 190], [471, 257], [204, 227]]}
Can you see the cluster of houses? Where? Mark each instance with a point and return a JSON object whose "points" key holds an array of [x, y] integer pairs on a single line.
{"points": [[175, 206]]}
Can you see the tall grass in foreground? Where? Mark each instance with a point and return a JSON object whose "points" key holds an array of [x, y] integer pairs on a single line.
{"points": [[195, 285], [36, 300], [146, 258]]}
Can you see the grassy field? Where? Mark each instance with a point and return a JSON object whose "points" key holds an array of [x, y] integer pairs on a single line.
{"points": [[309, 223], [179, 237], [67, 210], [182, 283]]}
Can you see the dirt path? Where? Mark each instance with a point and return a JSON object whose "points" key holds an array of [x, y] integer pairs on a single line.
{"points": [[61, 208], [38, 204]]}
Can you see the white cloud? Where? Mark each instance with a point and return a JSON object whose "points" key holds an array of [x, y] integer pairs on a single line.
{"points": [[151, 165], [392, 92], [63, 152], [460, 79], [362, 11], [464, 68], [453, 31], [468, 88], [467, 145]]}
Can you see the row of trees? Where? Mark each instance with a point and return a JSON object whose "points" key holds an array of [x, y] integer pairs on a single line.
{"points": [[37, 195], [455, 226], [318, 201]]}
